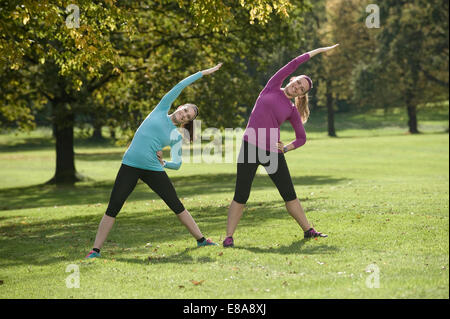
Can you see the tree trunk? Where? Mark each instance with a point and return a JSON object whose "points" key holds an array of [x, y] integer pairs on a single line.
{"points": [[97, 134], [412, 119], [329, 97], [63, 124], [112, 133], [411, 103], [412, 114]]}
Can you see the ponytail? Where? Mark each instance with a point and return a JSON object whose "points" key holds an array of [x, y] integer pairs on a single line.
{"points": [[302, 104], [189, 126], [189, 133]]}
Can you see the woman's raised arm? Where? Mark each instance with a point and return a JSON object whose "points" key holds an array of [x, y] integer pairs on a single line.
{"points": [[277, 80], [167, 100]]}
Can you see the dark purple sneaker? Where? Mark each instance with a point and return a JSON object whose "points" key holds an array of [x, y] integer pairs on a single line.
{"points": [[228, 242], [313, 233]]}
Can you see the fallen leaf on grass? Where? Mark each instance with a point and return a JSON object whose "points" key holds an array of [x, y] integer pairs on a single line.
{"points": [[221, 253], [196, 283]]}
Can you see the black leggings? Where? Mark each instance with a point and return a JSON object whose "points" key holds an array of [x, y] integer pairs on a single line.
{"points": [[250, 157], [126, 180]]}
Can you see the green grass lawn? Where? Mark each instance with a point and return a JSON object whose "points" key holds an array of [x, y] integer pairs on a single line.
{"points": [[380, 194]]}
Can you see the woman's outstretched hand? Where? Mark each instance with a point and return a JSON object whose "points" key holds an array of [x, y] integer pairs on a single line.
{"points": [[212, 70], [329, 48], [321, 50]]}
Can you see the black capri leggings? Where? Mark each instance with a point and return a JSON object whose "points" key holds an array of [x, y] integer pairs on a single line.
{"points": [[126, 180], [250, 157]]}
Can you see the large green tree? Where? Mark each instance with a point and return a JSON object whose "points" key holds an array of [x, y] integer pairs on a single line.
{"points": [[414, 52], [47, 59], [123, 56]]}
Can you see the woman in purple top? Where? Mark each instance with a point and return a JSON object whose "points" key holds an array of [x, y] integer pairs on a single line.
{"points": [[261, 143]]}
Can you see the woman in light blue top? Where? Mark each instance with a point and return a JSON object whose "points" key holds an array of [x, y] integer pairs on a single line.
{"points": [[143, 160]]}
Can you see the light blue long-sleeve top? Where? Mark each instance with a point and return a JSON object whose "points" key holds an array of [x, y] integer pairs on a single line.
{"points": [[156, 132]]}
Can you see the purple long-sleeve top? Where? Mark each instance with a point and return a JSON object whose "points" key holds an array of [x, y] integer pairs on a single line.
{"points": [[273, 108]]}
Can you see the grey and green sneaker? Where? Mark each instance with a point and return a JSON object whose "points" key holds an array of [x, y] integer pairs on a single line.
{"points": [[206, 242], [93, 254]]}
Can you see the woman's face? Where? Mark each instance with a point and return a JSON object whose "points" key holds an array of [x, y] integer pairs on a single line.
{"points": [[297, 86], [184, 114]]}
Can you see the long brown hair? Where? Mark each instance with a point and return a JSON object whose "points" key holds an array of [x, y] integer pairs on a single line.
{"points": [[189, 126], [302, 104]]}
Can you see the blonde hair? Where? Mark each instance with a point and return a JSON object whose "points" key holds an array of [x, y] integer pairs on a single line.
{"points": [[302, 104]]}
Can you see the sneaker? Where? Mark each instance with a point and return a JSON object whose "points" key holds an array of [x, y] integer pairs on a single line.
{"points": [[228, 242], [93, 254], [206, 242], [313, 233]]}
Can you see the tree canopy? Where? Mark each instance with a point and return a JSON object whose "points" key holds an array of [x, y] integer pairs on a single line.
{"points": [[121, 57]]}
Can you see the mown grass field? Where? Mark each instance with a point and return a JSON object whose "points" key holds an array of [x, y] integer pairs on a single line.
{"points": [[380, 194]]}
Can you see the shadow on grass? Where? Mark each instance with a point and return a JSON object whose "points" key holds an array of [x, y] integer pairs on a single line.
{"points": [[29, 144], [38, 196], [69, 238], [183, 257], [36, 143], [109, 156], [294, 248]]}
